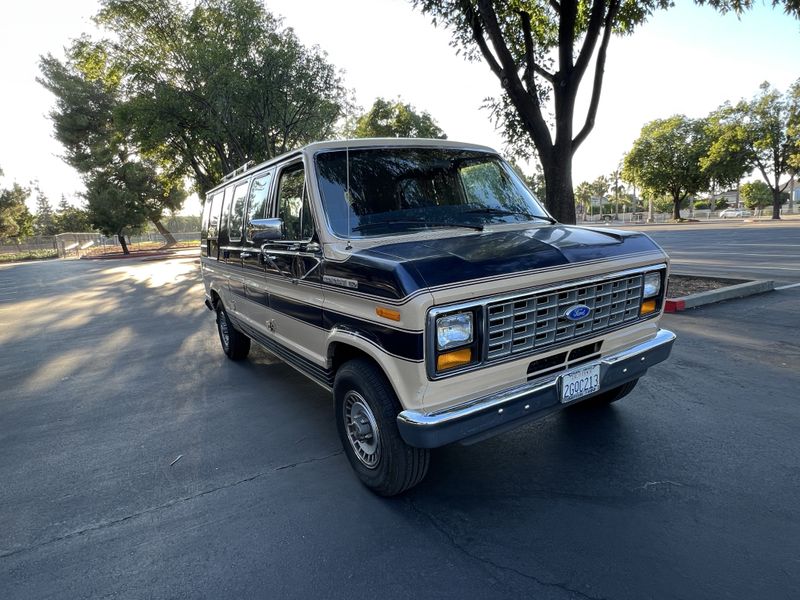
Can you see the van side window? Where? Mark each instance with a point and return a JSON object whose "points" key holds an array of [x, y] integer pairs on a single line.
{"points": [[204, 220], [226, 207], [257, 207], [213, 214], [237, 212], [293, 206]]}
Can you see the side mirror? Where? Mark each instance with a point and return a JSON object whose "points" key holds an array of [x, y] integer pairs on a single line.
{"points": [[265, 230]]}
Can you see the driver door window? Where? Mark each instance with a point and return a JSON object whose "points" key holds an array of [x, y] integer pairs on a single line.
{"points": [[293, 207]]}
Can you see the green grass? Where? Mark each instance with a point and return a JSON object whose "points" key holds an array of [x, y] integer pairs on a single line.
{"points": [[28, 255]]}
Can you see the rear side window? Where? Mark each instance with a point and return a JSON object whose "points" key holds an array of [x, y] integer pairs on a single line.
{"points": [[204, 219], [258, 204], [213, 214], [237, 212], [226, 207], [293, 206]]}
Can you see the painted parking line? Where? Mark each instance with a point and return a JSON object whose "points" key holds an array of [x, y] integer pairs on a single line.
{"points": [[740, 254], [754, 244], [786, 287], [741, 267]]}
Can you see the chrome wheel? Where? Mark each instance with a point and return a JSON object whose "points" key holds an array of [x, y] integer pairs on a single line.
{"points": [[362, 430]]}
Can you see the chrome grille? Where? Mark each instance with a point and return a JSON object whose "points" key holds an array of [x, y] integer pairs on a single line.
{"points": [[536, 321]]}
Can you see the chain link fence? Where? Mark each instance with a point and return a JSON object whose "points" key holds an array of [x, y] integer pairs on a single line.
{"points": [[78, 244]]}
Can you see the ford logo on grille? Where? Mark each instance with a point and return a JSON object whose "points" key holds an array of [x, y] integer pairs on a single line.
{"points": [[577, 312]]}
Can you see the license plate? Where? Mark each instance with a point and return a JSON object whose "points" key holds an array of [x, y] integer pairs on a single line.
{"points": [[580, 382]]}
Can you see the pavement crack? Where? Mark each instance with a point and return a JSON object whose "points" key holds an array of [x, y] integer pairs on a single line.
{"points": [[310, 460], [487, 561], [165, 505]]}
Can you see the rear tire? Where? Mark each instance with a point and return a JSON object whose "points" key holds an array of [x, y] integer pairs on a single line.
{"points": [[366, 418], [235, 344]]}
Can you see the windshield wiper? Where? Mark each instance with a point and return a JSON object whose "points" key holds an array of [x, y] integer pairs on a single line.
{"points": [[504, 211], [418, 224]]}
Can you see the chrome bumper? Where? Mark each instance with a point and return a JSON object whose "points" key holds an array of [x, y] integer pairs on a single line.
{"points": [[501, 411]]}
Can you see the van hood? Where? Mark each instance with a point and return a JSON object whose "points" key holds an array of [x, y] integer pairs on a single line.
{"points": [[442, 262]]}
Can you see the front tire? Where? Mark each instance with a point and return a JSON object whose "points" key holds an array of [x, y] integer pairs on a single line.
{"points": [[607, 397], [366, 418], [235, 344]]}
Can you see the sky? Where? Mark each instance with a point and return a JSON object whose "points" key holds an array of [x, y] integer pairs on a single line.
{"points": [[687, 60]]}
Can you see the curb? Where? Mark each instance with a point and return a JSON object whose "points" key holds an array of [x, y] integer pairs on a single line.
{"points": [[144, 254], [740, 290]]}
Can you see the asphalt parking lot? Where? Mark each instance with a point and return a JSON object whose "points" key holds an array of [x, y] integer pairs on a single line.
{"points": [[136, 461], [751, 250]]}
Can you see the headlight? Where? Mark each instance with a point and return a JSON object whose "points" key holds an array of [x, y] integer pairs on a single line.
{"points": [[652, 284], [453, 331]]}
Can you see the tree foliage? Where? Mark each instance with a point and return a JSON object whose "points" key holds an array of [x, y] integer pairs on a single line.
{"points": [[15, 219], [44, 222], [216, 84], [666, 159], [396, 119], [755, 194], [764, 134], [88, 121], [72, 219], [540, 51]]}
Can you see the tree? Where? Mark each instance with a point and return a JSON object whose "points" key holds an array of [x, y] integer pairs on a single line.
{"points": [[540, 51], [727, 163], [72, 219], [396, 119], [97, 141], [15, 218], [756, 194], [586, 191], [665, 159], [114, 208], [44, 222], [765, 133], [217, 84]]}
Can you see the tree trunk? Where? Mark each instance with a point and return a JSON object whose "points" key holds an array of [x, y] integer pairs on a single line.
{"points": [[169, 239], [122, 242], [776, 203], [676, 207], [559, 195]]}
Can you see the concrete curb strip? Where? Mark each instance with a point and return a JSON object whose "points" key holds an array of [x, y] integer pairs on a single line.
{"points": [[740, 290]]}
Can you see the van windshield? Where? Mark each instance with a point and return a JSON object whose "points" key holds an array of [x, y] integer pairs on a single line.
{"points": [[399, 190]]}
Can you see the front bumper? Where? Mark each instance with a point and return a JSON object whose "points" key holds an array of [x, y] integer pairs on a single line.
{"points": [[501, 411]]}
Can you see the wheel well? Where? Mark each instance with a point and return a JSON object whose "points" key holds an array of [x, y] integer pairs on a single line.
{"points": [[339, 353], [214, 299]]}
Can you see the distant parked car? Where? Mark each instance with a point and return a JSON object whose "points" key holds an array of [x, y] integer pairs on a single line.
{"points": [[730, 213], [609, 218]]}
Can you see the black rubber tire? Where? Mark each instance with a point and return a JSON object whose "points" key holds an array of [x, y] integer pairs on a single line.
{"points": [[400, 466], [237, 346], [618, 393]]}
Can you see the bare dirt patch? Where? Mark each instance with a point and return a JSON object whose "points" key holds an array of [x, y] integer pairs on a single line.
{"points": [[683, 285]]}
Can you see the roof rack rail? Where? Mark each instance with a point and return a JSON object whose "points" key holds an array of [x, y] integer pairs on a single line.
{"points": [[239, 170]]}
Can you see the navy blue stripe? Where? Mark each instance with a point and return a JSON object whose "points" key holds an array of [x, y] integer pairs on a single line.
{"points": [[408, 345], [320, 374], [255, 296], [301, 311], [375, 276], [404, 344]]}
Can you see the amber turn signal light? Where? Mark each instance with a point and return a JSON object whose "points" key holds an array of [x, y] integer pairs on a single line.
{"points": [[648, 306], [388, 313], [456, 358]]}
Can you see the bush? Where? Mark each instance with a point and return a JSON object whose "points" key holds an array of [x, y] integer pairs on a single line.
{"points": [[28, 255]]}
